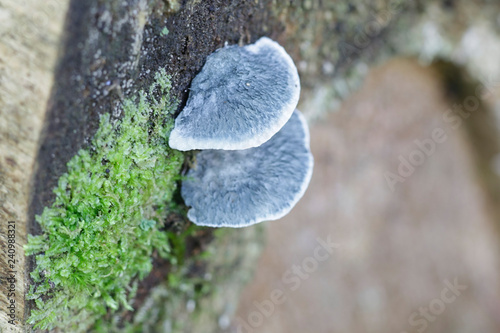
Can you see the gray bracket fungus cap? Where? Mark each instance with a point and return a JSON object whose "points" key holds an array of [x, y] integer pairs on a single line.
{"points": [[238, 188], [239, 100]]}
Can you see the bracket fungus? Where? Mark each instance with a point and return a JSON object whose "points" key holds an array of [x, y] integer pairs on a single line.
{"points": [[238, 188], [239, 100]]}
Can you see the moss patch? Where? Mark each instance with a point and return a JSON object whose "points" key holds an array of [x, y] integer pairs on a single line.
{"points": [[201, 289], [105, 223]]}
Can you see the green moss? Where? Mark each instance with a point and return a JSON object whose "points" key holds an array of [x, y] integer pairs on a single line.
{"points": [[184, 283], [99, 234], [203, 286]]}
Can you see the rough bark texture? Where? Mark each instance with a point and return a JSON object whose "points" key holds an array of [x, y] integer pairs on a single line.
{"points": [[111, 50]]}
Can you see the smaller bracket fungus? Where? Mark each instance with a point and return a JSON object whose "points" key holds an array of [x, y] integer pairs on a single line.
{"points": [[239, 100], [238, 188]]}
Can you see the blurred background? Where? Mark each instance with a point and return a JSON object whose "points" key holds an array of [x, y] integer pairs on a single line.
{"points": [[415, 246]]}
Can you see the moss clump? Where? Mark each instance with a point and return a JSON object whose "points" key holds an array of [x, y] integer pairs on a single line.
{"points": [[100, 233], [205, 284], [189, 280]]}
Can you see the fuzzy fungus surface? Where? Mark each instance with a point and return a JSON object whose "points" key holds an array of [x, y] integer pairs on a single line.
{"points": [[99, 234], [238, 188], [239, 100]]}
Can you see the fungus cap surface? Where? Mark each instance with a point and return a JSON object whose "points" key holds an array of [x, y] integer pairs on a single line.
{"points": [[239, 100], [238, 188]]}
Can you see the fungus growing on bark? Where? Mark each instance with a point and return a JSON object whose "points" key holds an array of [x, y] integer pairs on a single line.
{"points": [[239, 100], [238, 188]]}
